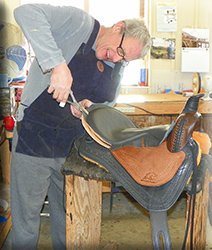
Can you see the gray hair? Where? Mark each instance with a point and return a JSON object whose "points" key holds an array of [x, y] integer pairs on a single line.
{"points": [[136, 27]]}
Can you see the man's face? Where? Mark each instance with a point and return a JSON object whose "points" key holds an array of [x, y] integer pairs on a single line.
{"points": [[106, 47]]}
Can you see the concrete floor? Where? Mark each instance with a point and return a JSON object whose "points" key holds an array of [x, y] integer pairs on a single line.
{"points": [[127, 227]]}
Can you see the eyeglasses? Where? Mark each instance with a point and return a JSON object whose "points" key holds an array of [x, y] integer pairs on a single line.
{"points": [[121, 53]]}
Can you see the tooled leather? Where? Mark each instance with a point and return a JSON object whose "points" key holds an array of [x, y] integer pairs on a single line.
{"points": [[184, 126], [149, 166]]}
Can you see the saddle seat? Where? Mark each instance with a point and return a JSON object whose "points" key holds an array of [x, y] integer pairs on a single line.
{"points": [[112, 129]]}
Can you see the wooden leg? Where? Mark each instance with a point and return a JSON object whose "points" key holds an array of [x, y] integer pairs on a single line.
{"points": [[83, 213], [200, 216], [5, 156]]}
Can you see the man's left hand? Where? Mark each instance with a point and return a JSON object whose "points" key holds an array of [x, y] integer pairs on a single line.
{"points": [[84, 103]]}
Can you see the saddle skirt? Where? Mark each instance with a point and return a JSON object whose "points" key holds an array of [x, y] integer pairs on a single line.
{"points": [[150, 166]]}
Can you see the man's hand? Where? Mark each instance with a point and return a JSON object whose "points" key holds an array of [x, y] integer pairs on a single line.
{"points": [[61, 82], [84, 103]]}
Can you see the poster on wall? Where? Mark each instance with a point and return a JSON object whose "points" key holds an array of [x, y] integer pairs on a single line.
{"points": [[166, 17], [163, 48], [195, 50]]}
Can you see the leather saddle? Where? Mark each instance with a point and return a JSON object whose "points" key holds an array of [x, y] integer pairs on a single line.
{"points": [[152, 164]]}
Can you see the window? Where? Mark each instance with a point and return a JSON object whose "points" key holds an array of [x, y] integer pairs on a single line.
{"points": [[108, 12], [76, 3], [111, 11]]}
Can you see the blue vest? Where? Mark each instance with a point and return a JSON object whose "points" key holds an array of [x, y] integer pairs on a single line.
{"points": [[48, 130]]}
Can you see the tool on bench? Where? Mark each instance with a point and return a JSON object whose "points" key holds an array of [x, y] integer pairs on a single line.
{"points": [[74, 103]]}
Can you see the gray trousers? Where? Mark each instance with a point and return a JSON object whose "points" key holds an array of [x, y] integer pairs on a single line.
{"points": [[33, 178]]}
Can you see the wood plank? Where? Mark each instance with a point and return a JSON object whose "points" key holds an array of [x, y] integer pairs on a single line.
{"points": [[161, 104], [69, 189], [207, 124], [144, 121], [158, 108], [5, 156], [106, 186], [5, 228], [83, 213], [168, 97]]}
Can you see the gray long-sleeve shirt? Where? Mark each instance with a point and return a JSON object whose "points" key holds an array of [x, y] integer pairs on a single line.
{"points": [[55, 34]]}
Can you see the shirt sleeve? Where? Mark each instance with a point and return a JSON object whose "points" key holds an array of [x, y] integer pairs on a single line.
{"points": [[49, 30]]}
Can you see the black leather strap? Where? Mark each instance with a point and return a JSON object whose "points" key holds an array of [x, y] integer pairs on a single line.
{"points": [[92, 38], [159, 225]]}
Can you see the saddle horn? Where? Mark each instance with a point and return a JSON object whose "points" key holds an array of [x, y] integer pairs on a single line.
{"points": [[186, 123]]}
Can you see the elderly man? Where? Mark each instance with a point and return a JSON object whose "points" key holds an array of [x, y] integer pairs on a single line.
{"points": [[73, 53]]}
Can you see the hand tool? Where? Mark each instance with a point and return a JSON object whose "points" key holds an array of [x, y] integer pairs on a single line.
{"points": [[74, 103]]}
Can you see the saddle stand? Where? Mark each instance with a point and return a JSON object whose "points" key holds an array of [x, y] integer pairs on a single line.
{"points": [[153, 164]]}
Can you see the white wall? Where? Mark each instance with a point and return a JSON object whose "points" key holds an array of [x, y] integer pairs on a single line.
{"points": [[7, 7], [163, 73], [190, 14]]}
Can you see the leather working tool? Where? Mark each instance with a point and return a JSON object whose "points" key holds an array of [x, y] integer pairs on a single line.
{"points": [[152, 164], [74, 103]]}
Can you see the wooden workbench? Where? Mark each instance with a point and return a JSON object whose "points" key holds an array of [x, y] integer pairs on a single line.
{"points": [[83, 197], [166, 104]]}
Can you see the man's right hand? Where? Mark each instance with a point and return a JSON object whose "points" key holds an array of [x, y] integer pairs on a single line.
{"points": [[60, 82]]}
